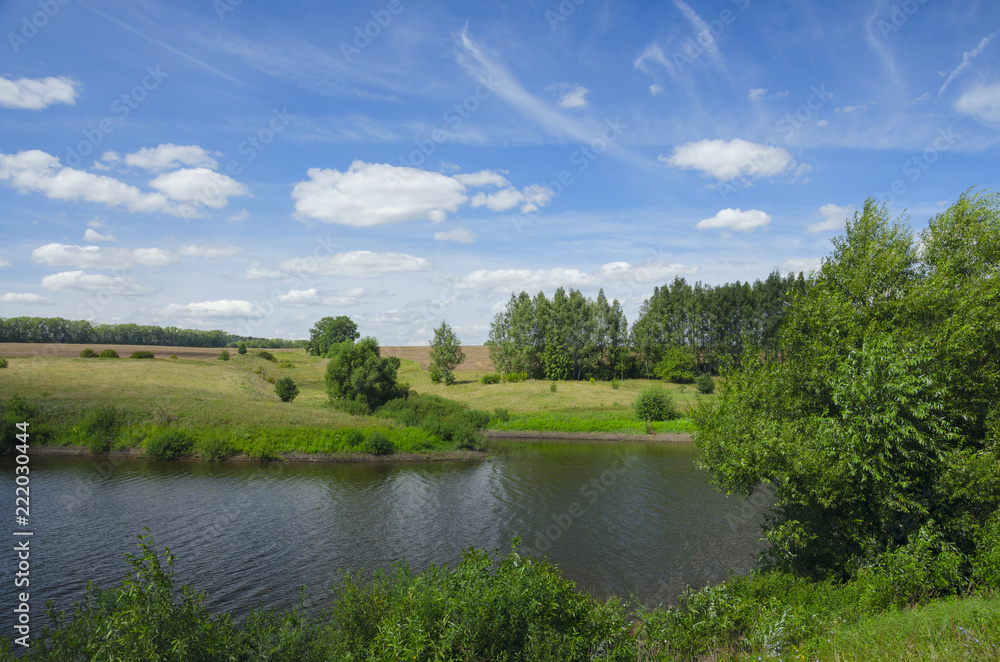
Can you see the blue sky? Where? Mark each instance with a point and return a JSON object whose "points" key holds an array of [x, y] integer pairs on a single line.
{"points": [[256, 166]]}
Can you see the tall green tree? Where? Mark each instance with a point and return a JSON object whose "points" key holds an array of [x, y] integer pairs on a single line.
{"points": [[358, 372], [446, 354], [879, 419], [330, 331]]}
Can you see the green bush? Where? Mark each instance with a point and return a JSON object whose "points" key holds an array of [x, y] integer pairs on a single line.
{"points": [[615, 383], [224, 355], [515, 377], [678, 365], [241, 348], [142, 354], [655, 404], [286, 389], [377, 443], [501, 414], [354, 437], [169, 444], [705, 384], [493, 378], [553, 386], [100, 426], [215, 447], [352, 407], [15, 410], [986, 563], [286, 364], [109, 354], [88, 354], [267, 356], [3, 363], [173, 356]]}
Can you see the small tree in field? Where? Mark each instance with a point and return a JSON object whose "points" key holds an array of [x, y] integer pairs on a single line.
{"points": [[286, 389], [446, 354], [241, 348], [357, 372]]}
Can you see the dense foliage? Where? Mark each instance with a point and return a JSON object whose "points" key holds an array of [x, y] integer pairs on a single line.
{"points": [[142, 354], [877, 428], [357, 373], [169, 444], [446, 354], [286, 389], [108, 354], [654, 404], [59, 330], [331, 331], [447, 420]]}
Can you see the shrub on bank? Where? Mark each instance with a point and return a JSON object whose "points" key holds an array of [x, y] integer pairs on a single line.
{"points": [[654, 404], [377, 443], [169, 444], [224, 355], [15, 410], [267, 356], [215, 447], [109, 354], [446, 419], [100, 426], [88, 354], [142, 354]]}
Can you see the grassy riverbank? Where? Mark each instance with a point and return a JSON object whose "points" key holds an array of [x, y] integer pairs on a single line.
{"points": [[229, 408]]}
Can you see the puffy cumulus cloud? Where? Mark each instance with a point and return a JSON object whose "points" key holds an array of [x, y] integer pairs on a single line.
{"points": [[530, 199], [169, 155], [503, 281], [200, 186], [218, 308], [458, 235], [96, 257], [257, 272], [299, 297], [207, 251], [370, 194], [81, 281], [355, 264], [730, 160], [180, 193], [37, 93], [651, 272], [571, 96], [834, 217], [736, 220], [29, 298], [93, 235], [981, 102]]}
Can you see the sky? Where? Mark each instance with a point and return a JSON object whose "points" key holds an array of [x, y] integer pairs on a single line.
{"points": [[256, 166]]}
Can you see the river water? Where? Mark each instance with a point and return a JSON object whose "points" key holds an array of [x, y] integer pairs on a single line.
{"points": [[618, 519]]}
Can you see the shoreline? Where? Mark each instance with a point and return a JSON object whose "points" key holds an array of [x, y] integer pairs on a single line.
{"points": [[676, 438]]}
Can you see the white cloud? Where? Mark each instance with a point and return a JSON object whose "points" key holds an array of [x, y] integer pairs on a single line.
{"points": [[756, 93], [822, 123], [37, 171], [530, 199], [653, 53], [4, 263], [356, 264], [803, 264], [576, 97], [782, 94], [167, 156], [981, 101], [219, 308], [207, 251], [850, 109], [729, 160], [93, 235], [705, 35], [299, 297], [656, 90], [532, 280], [200, 186], [80, 281], [458, 235], [967, 58], [256, 272], [370, 194], [96, 223], [239, 216], [651, 272], [96, 257], [37, 93], [736, 219], [24, 297], [834, 217]]}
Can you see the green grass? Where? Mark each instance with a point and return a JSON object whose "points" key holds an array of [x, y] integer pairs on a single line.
{"points": [[589, 421]]}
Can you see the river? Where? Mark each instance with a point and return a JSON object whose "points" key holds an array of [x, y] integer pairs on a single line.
{"points": [[618, 519]]}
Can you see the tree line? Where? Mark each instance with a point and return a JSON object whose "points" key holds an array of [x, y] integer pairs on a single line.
{"points": [[573, 337], [59, 330]]}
